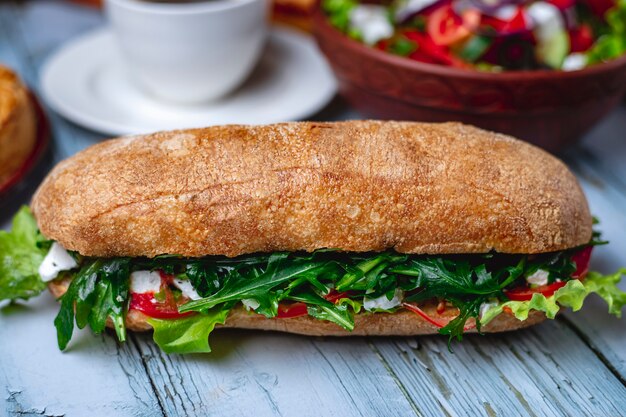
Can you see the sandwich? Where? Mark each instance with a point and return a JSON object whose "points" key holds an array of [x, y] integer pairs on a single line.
{"points": [[17, 125], [325, 229]]}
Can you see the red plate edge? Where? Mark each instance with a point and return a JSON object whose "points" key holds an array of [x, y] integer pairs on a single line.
{"points": [[41, 142]]}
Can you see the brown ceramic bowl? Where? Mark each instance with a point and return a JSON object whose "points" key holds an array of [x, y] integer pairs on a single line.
{"points": [[551, 109]]}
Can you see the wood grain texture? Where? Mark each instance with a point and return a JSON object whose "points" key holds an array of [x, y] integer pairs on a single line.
{"points": [[549, 368], [95, 377], [282, 376], [547, 372], [604, 333]]}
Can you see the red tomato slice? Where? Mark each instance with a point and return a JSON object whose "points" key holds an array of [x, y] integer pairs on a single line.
{"points": [[151, 307], [580, 258], [334, 296], [434, 321], [446, 27], [526, 293], [286, 311]]}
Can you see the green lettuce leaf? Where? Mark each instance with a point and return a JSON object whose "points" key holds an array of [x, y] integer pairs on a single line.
{"points": [[187, 335], [606, 287], [571, 295], [21, 252]]}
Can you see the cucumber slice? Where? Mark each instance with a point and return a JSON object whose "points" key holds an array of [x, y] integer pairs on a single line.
{"points": [[554, 50]]}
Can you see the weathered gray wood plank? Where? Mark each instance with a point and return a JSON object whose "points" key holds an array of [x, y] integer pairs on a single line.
{"points": [[545, 371], [605, 333], [95, 377], [605, 148], [276, 374]]}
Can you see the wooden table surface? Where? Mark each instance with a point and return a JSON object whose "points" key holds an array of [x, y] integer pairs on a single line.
{"points": [[575, 365]]}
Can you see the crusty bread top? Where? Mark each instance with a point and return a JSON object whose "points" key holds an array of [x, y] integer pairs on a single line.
{"points": [[357, 186]]}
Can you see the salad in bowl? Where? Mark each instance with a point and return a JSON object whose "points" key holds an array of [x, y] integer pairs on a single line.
{"points": [[488, 35]]}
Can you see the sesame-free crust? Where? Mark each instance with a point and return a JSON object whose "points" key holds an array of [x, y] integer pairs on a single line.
{"points": [[357, 186]]}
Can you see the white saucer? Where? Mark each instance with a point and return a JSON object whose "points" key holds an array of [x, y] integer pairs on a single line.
{"points": [[85, 81]]}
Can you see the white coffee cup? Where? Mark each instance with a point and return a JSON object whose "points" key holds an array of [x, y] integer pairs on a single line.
{"points": [[189, 52]]}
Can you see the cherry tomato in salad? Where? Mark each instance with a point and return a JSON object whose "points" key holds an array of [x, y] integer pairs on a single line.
{"points": [[446, 27], [430, 53], [516, 24], [440, 323], [581, 38], [580, 258], [563, 4]]}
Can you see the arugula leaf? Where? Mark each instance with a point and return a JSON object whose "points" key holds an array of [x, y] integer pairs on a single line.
{"points": [[21, 252], [323, 309], [100, 291], [237, 289], [189, 334], [571, 295]]}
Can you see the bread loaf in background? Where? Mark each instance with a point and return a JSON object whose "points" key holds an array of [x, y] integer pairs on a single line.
{"points": [[18, 125]]}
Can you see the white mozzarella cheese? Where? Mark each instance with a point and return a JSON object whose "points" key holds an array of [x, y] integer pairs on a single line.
{"points": [[382, 303], [145, 282], [538, 278], [574, 62], [372, 22], [57, 260], [186, 288], [250, 303]]}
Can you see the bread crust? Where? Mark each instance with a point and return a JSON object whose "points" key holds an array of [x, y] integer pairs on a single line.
{"points": [[18, 126], [358, 186], [400, 323]]}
